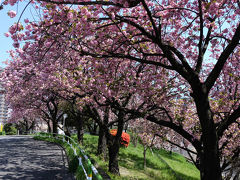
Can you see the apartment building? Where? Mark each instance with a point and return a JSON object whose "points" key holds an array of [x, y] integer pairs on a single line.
{"points": [[4, 110]]}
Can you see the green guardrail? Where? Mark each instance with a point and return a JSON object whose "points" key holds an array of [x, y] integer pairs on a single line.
{"points": [[85, 165]]}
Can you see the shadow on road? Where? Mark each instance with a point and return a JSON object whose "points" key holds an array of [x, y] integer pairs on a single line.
{"points": [[21, 157]]}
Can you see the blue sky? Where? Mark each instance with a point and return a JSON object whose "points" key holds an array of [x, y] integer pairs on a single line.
{"points": [[6, 22], [5, 43]]}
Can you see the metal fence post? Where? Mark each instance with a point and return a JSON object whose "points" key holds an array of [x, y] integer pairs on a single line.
{"points": [[75, 152], [97, 175], [89, 169]]}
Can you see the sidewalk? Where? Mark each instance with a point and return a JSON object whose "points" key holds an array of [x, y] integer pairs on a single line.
{"points": [[23, 158]]}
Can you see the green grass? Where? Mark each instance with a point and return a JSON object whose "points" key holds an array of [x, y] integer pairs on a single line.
{"points": [[183, 169], [131, 163]]}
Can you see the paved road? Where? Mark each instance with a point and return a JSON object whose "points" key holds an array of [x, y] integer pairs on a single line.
{"points": [[23, 158]]}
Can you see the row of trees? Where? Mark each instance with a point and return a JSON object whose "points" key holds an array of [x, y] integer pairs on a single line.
{"points": [[174, 64]]}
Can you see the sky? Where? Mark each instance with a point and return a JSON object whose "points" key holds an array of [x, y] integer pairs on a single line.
{"points": [[5, 43], [5, 23]]}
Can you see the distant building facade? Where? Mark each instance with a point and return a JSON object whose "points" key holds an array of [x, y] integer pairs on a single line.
{"points": [[4, 109]]}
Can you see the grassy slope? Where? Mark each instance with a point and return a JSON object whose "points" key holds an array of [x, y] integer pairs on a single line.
{"points": [[131, 163]]}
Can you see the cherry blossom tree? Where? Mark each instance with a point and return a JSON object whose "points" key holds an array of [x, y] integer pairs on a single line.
{"points": [[26, 92], [93, 85], [195, 41]]}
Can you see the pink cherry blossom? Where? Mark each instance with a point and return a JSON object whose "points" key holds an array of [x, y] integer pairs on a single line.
{"points": [[12, 14], [7, 34]]}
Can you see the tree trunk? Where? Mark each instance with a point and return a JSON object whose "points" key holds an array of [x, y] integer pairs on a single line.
{"points": [[80, 133], [49, 127], [93, 129], [114, 145], [135, 141], [55, 131], [209, 159], [113, 150], [209, 154], [26, 127], [144, 156], [95, 126], [134, 138], [102, 143], [80, 130], [126, 127], [67, 133]]}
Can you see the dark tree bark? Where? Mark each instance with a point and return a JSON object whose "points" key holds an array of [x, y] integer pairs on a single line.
{"points": [[94, 129], [53, 113], [26, 127], [102, 143], [67, 133], [209, 154], [55, 126], [113, 150], [49, 127], [114, 145], [80, 130]]}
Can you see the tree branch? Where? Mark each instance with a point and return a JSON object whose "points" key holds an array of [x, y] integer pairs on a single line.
{"points": [[222, 60], [177, 129], [184, 148], [200, 50], [84, 3], [125, 57], [225, 124], [151, 19]]}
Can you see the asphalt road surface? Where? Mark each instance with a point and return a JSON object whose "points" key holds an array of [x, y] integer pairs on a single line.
{"points": [[23, 158]]}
